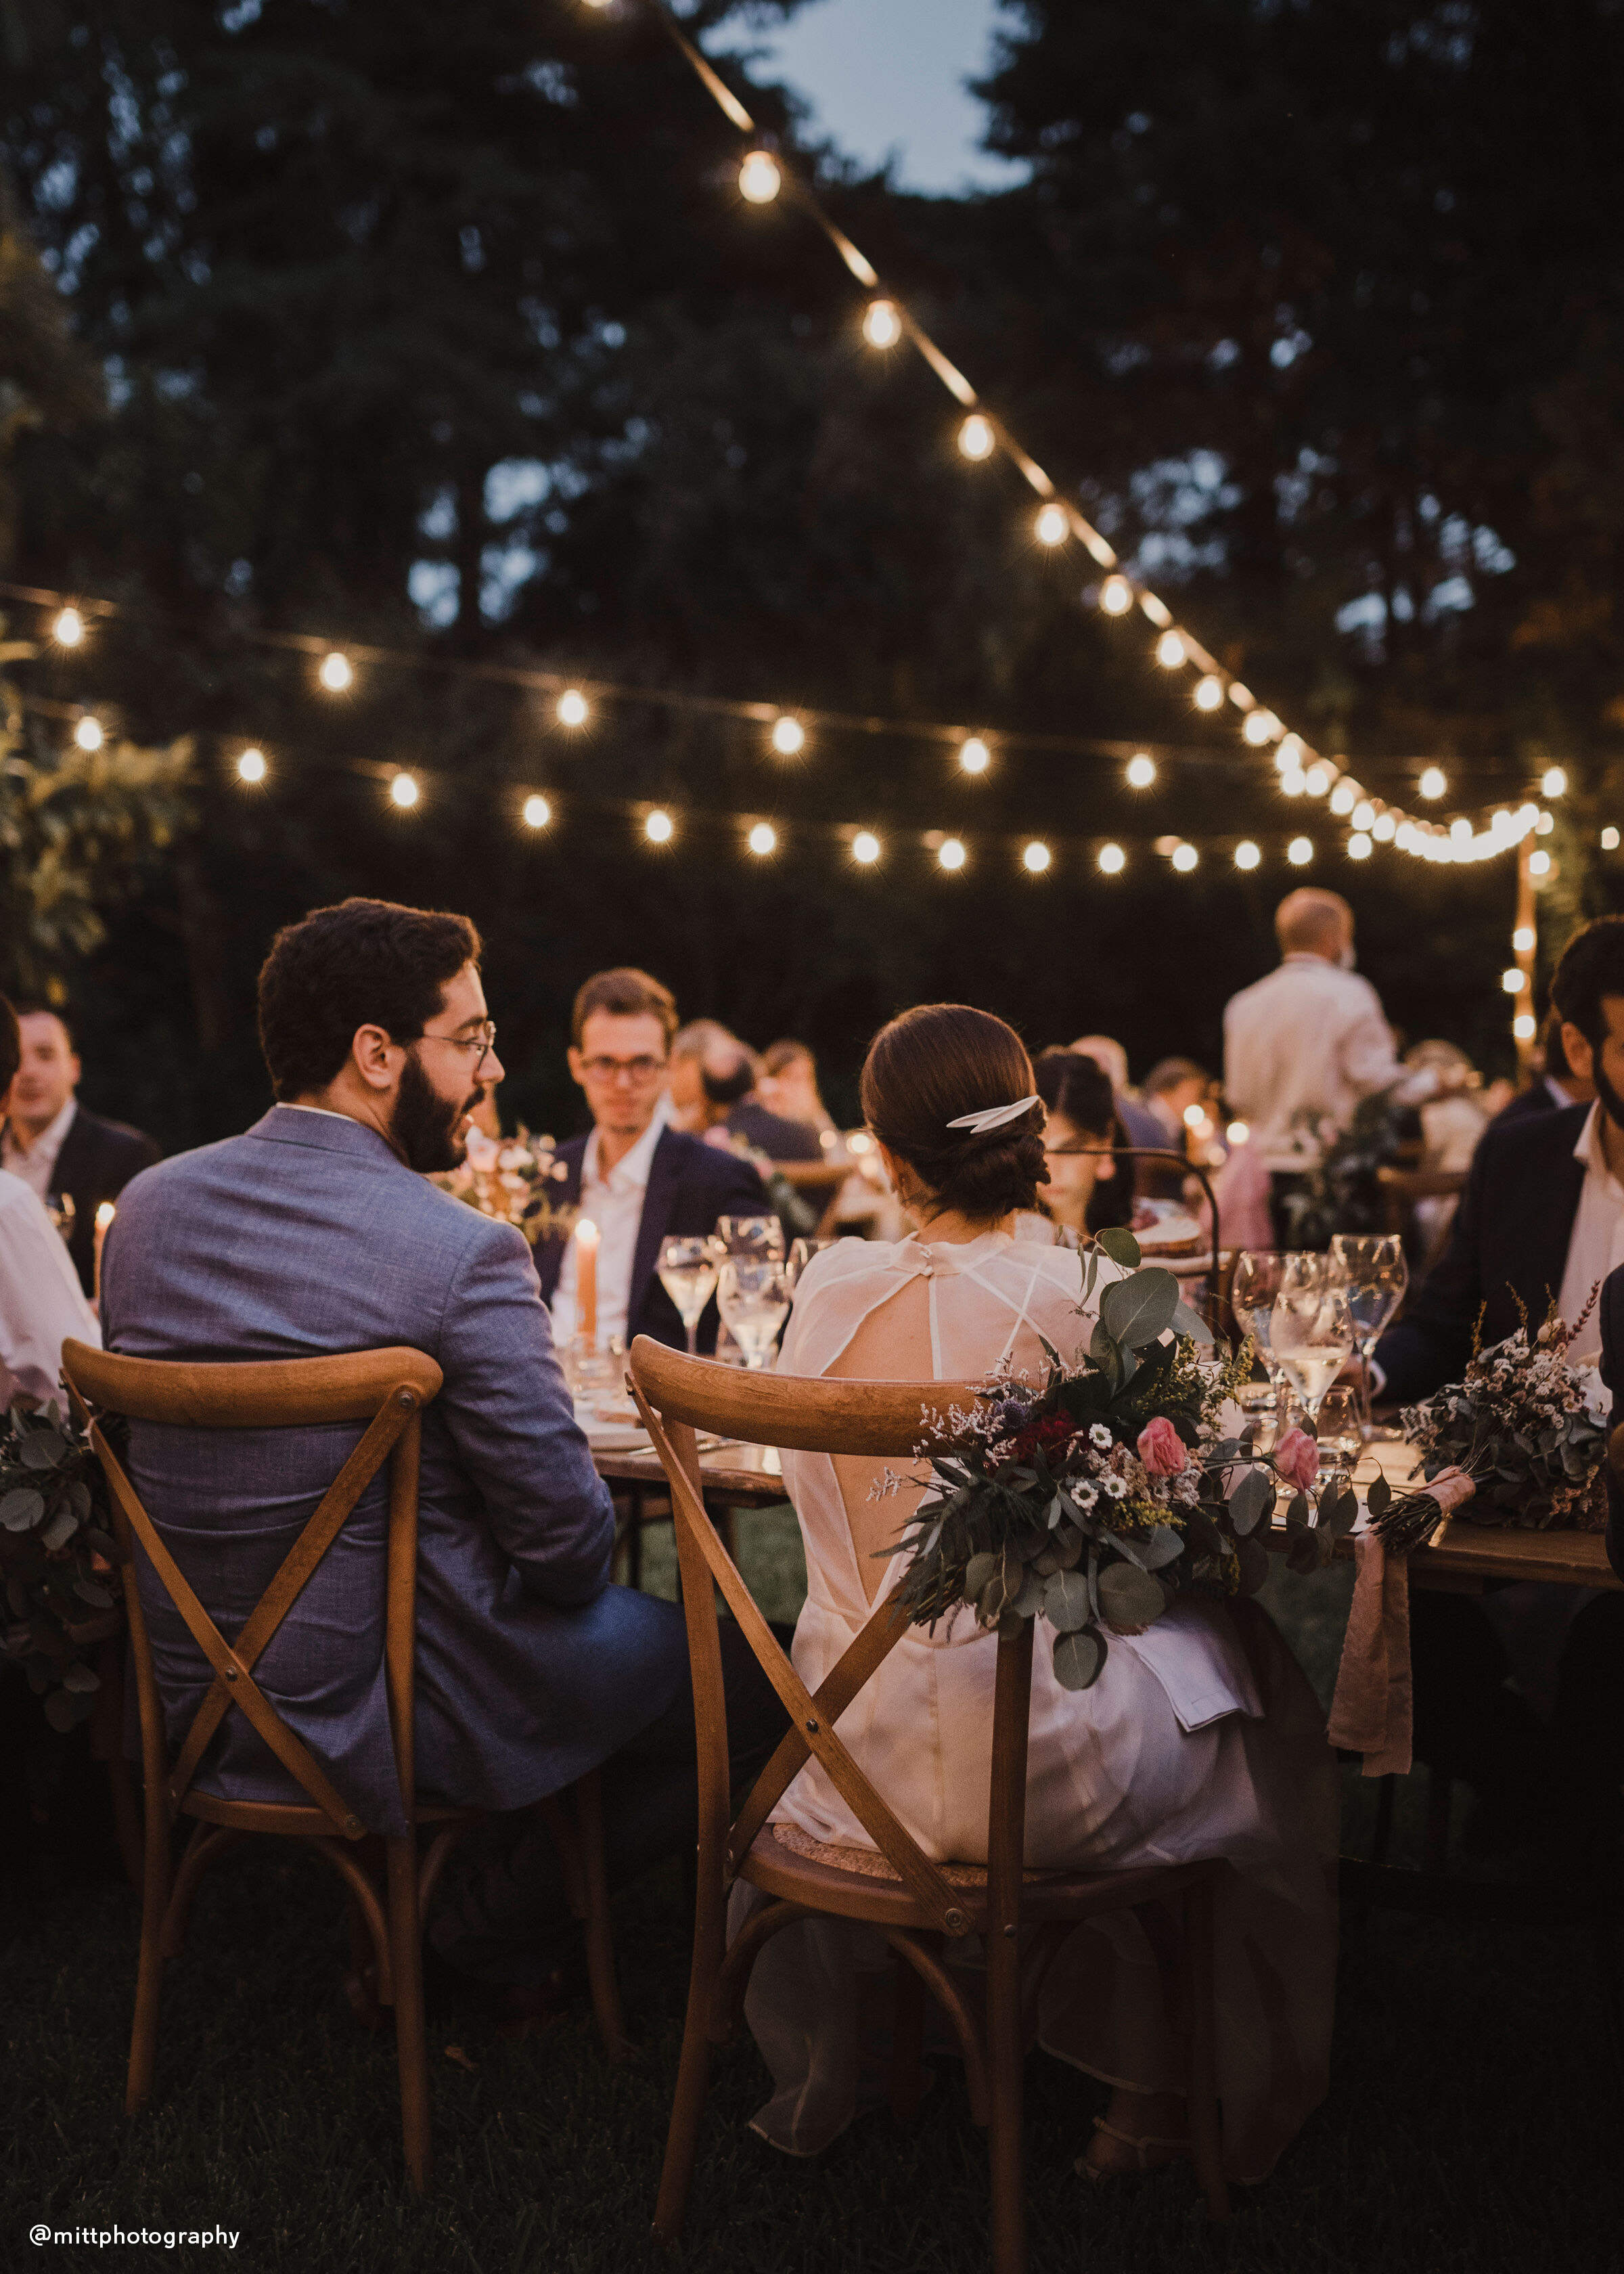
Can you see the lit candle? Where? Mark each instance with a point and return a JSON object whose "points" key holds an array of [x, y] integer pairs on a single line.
{"points": [[587, 1237], [105, 1214]]}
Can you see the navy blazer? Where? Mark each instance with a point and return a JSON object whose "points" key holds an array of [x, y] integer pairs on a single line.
{"points": [[1510, 1239], [690, 1184], [1612, 1374], [308, 1235]]}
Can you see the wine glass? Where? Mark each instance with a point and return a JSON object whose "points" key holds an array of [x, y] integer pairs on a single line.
{"points": [[1372, 1269], [751, 1235], [1258, 1275], [687, 1269], [1311, 1330], [753, 1296]]}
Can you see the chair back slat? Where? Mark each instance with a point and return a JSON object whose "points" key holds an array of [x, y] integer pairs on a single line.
{"points": [[801, 1413], [400, 1383]]}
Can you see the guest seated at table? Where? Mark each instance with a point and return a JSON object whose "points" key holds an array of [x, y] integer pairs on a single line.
{"points": [[317, 1232], [54, 1145], [733, 1107], [1141, 1124], [40, 1300], [1173, 1088], [788, 1085], [1199, 1738], [1555, 1083], [640, 1182], [1085, 1191]]}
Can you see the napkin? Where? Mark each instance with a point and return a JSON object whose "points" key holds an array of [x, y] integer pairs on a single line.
{"points": [[1372, 1711]]}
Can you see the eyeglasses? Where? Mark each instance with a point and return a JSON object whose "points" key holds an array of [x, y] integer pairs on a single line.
{"points": [[482, 1042], [638, 1070]]}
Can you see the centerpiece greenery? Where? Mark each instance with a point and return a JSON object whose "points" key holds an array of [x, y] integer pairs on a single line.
{"points": [[516, 1180], [55, 1554]]}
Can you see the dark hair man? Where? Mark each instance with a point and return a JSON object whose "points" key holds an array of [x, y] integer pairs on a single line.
{"points": [[56, 1147], [40, 1303]]}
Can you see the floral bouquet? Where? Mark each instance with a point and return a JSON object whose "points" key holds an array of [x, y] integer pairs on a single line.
{"points": [[1098, 1494], [55, 1554], [1521, 1427], [516, 1180]]}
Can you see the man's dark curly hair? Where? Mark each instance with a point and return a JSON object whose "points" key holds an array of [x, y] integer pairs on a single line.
{"points": [[1591, 966], [361, 963]]}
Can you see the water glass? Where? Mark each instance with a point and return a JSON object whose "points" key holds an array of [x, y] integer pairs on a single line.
{"points": [[1258, 1275], [753, 1295], [751, 1235], [1372, 1269], [1311, 1331], [687, 1269], [1341, 1438]]}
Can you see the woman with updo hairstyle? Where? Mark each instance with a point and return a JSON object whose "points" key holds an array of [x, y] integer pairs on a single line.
{"points": [[1200, 1737]]}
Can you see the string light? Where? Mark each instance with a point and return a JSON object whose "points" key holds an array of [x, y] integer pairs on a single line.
{"points": [[1460, 831], [762, 840], [1513, 980], [789, 736], [1113, 859], [1036, 858], [866, 848], [974, 754], [1539, 864], [1237, 1133], [1342, 798], [1208, 692], [1523, 939], [403, 791], [659, 828], [336, 671], [1158, 611], [1052, 524], [250, 766], [950, 853], [759, 178], [1141, 772], [975, 437], [1363, 815], [1433, 784], [1545, 823], [1359, 846], [1317, 780], [1261, 726], [536, 811], [1294, 781], [88, 734], [1300, 852], [68, 628], [1169, 650], [572, 708], [1384, 829], [1184, 858], [1115, 596], [882, 324], [1525, 1026], [1552, 782], [1246, 855], [1610, 840]]}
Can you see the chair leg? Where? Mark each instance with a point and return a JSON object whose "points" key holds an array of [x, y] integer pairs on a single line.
{"points": [[107, 1744], [411, 2047], [599, 1928], [1006, 2060], [149, 1974], [694, 2071], [1205, 2129], [907, 2042], [361, 1983]]}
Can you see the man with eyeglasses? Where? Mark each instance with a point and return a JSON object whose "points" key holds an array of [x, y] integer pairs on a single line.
{"points": [[640, 1181]]}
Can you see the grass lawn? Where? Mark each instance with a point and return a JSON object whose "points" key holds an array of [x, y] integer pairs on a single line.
{"points": [[1473, 2123]]}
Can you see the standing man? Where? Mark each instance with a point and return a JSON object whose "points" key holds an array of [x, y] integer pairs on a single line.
{"points": [[1302, 1047], [639, 1181], [55, 1146]]}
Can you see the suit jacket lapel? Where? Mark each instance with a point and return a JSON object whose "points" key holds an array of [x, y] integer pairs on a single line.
{"points": [[658, 1197]]}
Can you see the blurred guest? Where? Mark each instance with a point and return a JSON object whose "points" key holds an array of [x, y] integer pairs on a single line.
{"points": [[640, 1182], [40, 1300], [733, 1108], [55, 1146], [1174, 1087], [1556, 1084], [1082, 1111], [788, 1085], [1138, 1120], [687, 1105], [1304, 1045]]}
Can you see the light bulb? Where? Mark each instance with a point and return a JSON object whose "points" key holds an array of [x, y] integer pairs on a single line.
{"points": [[1363, 815], [1243, 697], [950, 853], [1545, 823], [1552, 782], [1169, 650], [1609, 840], [1525, 1026], [659, 828], [1539, 864], [1359, 846], [1317, 780], [88, 734], [572, 708], [1294, 781], [336, 673], [1158, 611], [1052, 525], [1141, 772], [1261, 726], [866, 848], [1513, 980], [538, 812], [1384, 829], [1246, 855], [1208, 692], [1184, 858], [1460, 831], [250, 766], [1115, 596], [1433, 783], [882, 325], [789, 736], [68, 628], [763, 839], [759, 178], [1036, 858], [1236, 1133], [1113, 859], [975, 437], [1523, 939], [1300, 852], [974, 754], [1342, 798], [1291, 752], [403, 791]]}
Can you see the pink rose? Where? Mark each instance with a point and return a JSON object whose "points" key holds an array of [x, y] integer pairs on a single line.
{"points": [[1297, 1458], [1161, 1449]]}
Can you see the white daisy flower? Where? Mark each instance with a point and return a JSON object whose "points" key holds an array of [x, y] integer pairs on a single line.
{"points": [[1101, 1436], [1118, 1487]]}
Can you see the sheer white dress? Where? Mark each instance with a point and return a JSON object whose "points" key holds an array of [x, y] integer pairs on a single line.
{"points": [[1201, 1737]]}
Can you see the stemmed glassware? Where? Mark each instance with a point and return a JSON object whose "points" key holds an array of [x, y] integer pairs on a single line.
{"points": [[1259, 1272], [751, 1235], [1371, 1268], [687, 1269], [1311, 1330], [753, 1294]]}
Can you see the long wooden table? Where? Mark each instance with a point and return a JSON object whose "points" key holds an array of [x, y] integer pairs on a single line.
{"points": [[1461, 1556]]}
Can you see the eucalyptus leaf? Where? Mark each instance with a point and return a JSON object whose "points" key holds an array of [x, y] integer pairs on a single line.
{"points": [[64, 1709], [1163, 1545], [1255, 1563], [61, 1528], [1068, 1547], [1186, 1322], [1065, 1602], [1297, 1512], [1102, 1349], [42, 1448], [1252, 1500], [1138, 1309], [1129, 1597], [80, 1677], [1118, 1243], [1079, 1657], [1379, 1498], [1029, 1600], [21, 1509], [978, 1570], [92, 1592]]}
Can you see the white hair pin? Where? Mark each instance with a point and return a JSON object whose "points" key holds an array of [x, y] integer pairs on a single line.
{"points": [[993, 1117]]}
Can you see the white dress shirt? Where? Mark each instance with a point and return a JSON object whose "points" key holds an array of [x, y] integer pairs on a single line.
{"points": [[36, 1164], [1596, 1243], [1301, 1048], [614, 1203], [40, 1300]]}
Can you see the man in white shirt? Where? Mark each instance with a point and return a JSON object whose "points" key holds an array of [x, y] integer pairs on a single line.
{"points": [[40, 1301], [1303, 1046]]}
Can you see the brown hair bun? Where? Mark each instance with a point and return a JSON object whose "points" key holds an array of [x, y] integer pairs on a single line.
{"points": [[926, 1068]]}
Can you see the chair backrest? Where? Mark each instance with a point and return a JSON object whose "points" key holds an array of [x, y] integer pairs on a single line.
{"points": [[678, 1395], [387, 1389]]}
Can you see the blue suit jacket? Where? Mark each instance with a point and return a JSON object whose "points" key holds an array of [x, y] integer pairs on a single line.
{"points": [[307, 1236], [690, 1184], [1612, 1309]]}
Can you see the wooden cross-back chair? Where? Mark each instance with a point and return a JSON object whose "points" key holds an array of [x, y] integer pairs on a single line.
{"points": [[387, 1390], [919, 1902]]}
